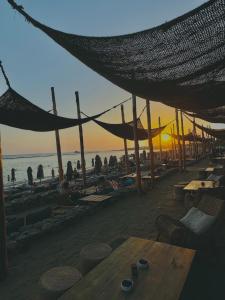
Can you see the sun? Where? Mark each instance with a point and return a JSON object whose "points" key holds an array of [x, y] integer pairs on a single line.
{"points": [[165, 137]]}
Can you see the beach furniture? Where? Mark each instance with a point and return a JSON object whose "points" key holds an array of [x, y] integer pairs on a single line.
{"points": [[163, 280], [195, 185], [92, 254], [57, 281], [94, 199], [197, 228]]}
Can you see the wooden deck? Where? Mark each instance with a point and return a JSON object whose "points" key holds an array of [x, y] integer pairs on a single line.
{"points": [[164, 280]]}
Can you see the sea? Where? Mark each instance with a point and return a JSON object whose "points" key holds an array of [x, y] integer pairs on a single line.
{"points": [[49, 160]]}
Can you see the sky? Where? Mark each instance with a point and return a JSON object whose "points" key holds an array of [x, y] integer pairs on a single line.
{"points": [[34, 63]]}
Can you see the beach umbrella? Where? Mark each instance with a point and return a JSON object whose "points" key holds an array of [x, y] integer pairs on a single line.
{"points": [[30, 175], [98, 164], [69, 171], [40, 172], [78, 165], [13, 175]]}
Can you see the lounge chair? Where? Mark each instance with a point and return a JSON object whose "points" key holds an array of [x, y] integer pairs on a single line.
{"points": [[197, 228]]}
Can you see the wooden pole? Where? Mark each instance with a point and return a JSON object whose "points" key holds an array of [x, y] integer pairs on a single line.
{"points": [[183, 140], [174, 142], [57, 139], [150, 143], [3, 235], [81, 139], [125, 141], [194, 135], [172, 145], [136, 146], [178, 139], [160, 141]]}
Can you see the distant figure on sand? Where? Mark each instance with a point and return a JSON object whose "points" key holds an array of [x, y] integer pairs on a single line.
{"points": [[69, 171], [53, 173], [13, 176], [40, 172], [30, 176], [93, 162], [8, 178]]}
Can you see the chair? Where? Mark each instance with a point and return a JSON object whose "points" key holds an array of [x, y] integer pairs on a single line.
{"points": [[175, 232]]}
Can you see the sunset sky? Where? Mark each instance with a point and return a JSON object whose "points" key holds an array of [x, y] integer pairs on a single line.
{"points": [[34, 63]]}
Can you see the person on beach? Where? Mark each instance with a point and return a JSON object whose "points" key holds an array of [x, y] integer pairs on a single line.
{"points": [[98, 164], [8, 177], [30, 176], [103, 186], [53, 173], [78, 165]]}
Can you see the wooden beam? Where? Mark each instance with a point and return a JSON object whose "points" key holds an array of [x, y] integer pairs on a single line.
{"points": [[83, 166], [125, 141], [3, 235], [183, 140], [136, 146], [160, 140], [150, 143], [174, 142], [57, 139], [178, 139]]}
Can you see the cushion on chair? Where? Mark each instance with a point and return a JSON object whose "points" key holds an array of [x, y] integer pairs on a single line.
{"points": [[197, 221]]}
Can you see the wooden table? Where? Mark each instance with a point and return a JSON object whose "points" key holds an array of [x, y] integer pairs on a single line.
{"points": [[195, 185], [95, 198], [164, 280]]}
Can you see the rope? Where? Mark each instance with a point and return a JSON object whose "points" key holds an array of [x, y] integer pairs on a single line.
{"points": [[113, 107], [142, 112], [5, 76]]}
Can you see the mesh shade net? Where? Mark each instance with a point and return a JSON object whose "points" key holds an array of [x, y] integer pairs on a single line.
{"points": [[126, 131], [16, 111], [180, 63]]}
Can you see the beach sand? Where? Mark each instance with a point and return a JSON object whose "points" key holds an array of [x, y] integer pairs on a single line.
{"points": [[130, 216]]}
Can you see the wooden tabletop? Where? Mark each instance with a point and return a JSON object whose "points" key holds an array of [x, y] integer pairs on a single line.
{"points": [[210, 169], [95, 198], [164, 280], [195, 185]]}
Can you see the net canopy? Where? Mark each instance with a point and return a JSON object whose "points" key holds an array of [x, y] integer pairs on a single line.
{"points": [[213, 115], [189, 137], [126, 131], [16, 111], [217, 133], [180, 63]]}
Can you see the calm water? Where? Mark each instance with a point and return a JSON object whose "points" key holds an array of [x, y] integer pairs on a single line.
{"points": [[49, 161]]}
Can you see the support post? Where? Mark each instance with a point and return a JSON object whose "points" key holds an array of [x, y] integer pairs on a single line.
{"points": [[160, 141], [136, 146], [183, 140], [57, 139], [125, 141], [178, 139], [3, 237], [194, 134], [150, 143], [174, 142], [81, 139]]}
